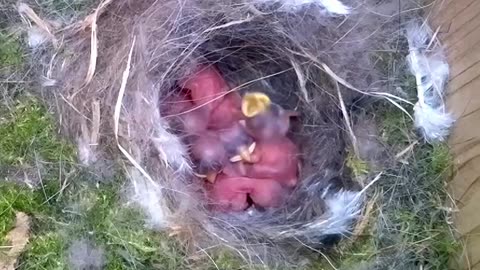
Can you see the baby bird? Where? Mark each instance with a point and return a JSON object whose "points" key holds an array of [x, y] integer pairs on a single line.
{"points": [[209, 155], [206, 87], [227, 112], [213, 150], [231, 193], [237, 143], [191, 120], [195, 121], [264, 119], [276, 160]]}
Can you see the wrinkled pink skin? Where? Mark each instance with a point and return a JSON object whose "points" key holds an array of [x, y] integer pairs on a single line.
{"points": [[277, 159], [206, 87], [230, 193], [208, 104], [227, 112]]}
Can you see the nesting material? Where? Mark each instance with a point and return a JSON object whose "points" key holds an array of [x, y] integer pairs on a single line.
{"points": [[431, 71], [304, 55]]}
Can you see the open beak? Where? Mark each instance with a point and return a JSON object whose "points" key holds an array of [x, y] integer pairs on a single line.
{"points": [[254, 103]]}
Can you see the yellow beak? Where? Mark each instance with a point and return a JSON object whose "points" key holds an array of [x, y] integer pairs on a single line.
{"points": [[254, 103]]}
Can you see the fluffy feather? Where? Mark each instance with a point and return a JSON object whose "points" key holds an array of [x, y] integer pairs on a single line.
{"points": [[431, 73], [148, 196]]}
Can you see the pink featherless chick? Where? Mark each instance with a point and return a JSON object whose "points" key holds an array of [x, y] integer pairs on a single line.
{"points": [[275, 156], [208, 154], [227, 113], [276, 160], [231, 193], [192, 120], [206, 87], [213, 150]]}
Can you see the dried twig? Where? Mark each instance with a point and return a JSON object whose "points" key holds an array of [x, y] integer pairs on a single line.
{"points": [[91, 20]]}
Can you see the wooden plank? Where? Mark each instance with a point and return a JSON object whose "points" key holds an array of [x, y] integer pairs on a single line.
{"points": [[465, 16], [459, 23], [466, 100], [465, 138], [464, 178], [455, 35], [468, 218], [445, 10], [470, 194], [460, 49], [468, 154], [464, 78], [472, 244], [465, 62]]}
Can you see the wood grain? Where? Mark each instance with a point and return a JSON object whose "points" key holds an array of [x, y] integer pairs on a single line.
{"points": [[459, 30]]}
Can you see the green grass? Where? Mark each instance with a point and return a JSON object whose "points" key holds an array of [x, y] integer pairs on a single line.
{"points": [[29, 133], [65, 211], [11, 51], [98, 214], [356, 165], [15, 198]]}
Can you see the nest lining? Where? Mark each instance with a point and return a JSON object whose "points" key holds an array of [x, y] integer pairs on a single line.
{"points": [[257, 46]]}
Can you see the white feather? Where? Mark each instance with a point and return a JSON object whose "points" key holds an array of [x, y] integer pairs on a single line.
{"points": [[149, 198], [431, 74], [335, 7], [36, 36], [86, 155], [343, 208]]}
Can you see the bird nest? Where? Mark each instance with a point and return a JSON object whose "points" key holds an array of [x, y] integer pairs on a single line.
{"points": [[113, 73]]}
